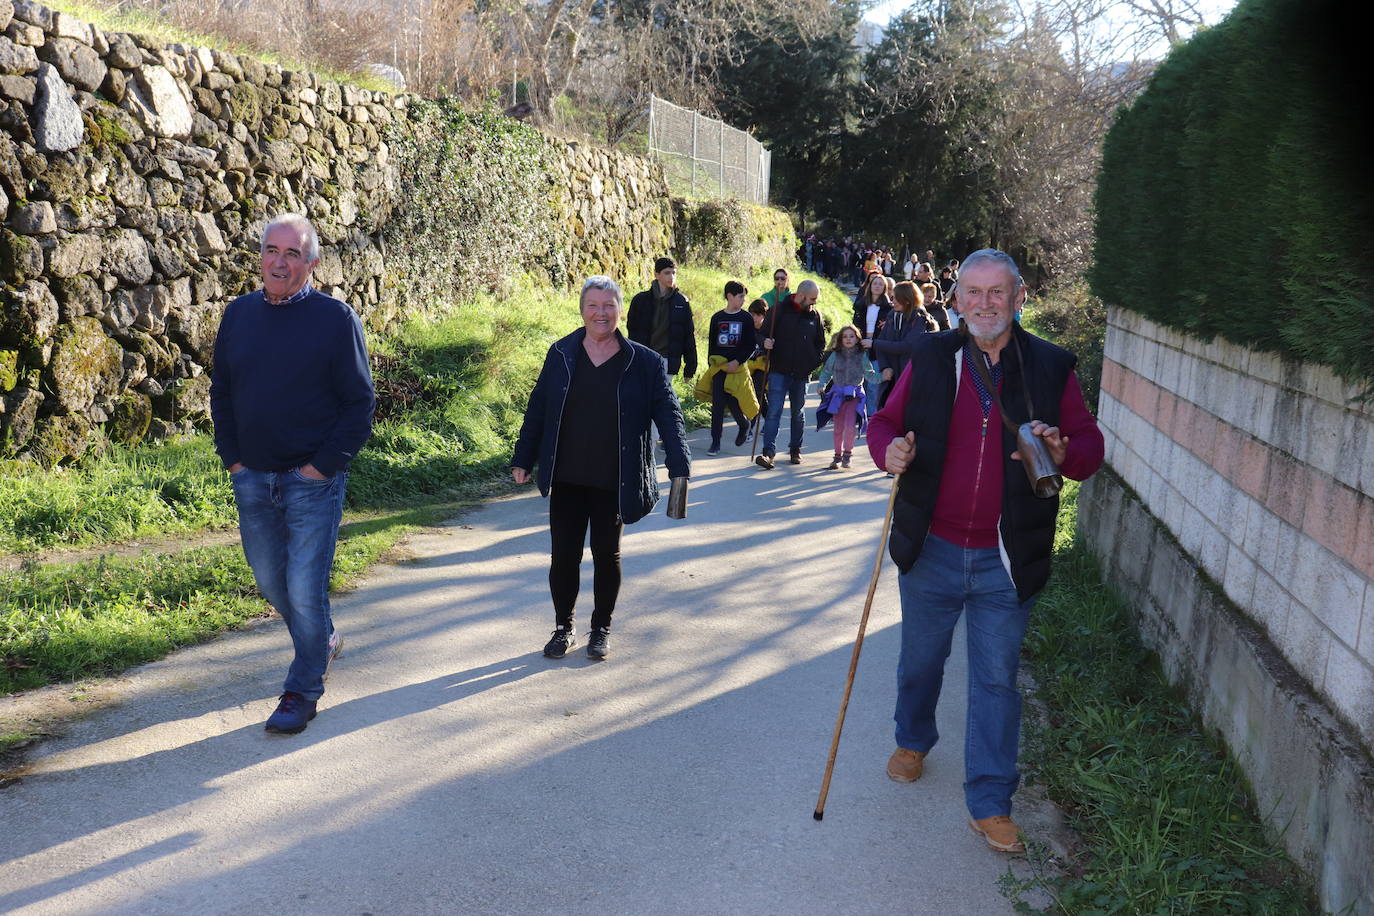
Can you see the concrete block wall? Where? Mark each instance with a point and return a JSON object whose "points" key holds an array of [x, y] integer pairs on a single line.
{"points": [[1237, 515], [1263, 469]]}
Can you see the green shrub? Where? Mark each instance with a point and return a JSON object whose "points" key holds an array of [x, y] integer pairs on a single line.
{"points": [[1071, 316], [1233, 198], [733, 235]]}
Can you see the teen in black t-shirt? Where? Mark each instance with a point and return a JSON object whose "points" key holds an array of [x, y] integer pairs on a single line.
{"points": [[732, 339]]}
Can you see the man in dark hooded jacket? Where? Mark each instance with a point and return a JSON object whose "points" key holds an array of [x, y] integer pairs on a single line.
{"points": [[660, 318]]}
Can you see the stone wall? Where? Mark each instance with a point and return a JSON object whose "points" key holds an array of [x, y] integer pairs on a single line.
{"points": [[135, 179], [1239, 518], [734, 235], [620, 216]]}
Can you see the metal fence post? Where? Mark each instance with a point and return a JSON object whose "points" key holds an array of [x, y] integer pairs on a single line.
{"points": [[720, 163], [695, 118]]}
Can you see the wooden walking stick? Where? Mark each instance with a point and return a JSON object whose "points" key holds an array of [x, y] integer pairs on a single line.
{"points": [[858, 644], [758, 418]]}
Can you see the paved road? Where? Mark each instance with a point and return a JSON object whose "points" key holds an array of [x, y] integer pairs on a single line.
{"points": [[453, 769]]}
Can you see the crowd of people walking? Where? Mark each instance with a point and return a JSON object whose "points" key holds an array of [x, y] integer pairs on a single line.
{"points": [[924, 370]]}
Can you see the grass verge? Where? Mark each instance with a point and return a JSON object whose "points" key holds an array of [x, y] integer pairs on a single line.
{"points": [[1166, 821], [67, 621], [452, 392]]}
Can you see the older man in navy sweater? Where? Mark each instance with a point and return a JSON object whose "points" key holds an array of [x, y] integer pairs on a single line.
{"points": [[292, 400]]}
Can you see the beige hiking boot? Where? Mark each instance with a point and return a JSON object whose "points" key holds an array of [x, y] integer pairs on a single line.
{"points": [[1000, 832], [905, 765]]}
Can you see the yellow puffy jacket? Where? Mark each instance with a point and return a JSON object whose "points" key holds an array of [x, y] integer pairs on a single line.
{"points": [[738, 384]]}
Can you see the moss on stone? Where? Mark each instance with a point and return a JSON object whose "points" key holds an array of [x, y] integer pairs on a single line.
{"points": [[62, 181], [104, 132], [21, 410], [245, 106], [86, 365], [156, 356], [9, 369], [21, 258], [129, 418], [59, 440]]}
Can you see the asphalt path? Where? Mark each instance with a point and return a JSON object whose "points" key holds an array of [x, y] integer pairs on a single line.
{"points": [[453, 769]]}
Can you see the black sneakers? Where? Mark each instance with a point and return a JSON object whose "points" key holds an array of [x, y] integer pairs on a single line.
{"points": [[742, 436], [564, 638], [596, 642]]}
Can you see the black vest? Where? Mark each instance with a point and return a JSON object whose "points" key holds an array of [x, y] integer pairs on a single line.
{"points": [[1027, 522]]}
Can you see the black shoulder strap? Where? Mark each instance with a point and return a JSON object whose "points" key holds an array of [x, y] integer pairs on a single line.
{"points": [[980, 365]]}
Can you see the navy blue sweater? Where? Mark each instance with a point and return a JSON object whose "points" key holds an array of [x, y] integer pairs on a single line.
{"points": [[291, 384]]}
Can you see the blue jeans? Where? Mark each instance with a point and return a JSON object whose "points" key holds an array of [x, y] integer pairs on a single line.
{"points": [[946, 581], [794, 387], [289, 525]]}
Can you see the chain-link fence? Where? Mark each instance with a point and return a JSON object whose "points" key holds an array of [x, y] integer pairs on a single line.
{"points": [[706, 158]]}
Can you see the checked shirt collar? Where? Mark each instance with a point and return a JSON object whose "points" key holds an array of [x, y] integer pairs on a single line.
{"points": [[984, 396], [297, 296]]}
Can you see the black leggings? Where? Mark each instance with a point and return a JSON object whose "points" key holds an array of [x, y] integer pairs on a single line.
{"points": [[719, 402], [572, 508]]}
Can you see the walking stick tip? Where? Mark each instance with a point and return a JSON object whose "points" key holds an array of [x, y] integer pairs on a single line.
{"points": [[818, 814]]}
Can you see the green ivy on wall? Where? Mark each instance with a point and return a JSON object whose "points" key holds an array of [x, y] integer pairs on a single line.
{"points": [[479, 205]]}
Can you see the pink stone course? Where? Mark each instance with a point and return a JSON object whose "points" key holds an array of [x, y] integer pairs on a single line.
{"points": [[1334, 515]]}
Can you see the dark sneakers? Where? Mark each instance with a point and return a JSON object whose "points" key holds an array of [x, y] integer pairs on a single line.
{"points": [[765, 461], [293, 713], [564, 638], [794, 456], [742, 436], [597, 646]]}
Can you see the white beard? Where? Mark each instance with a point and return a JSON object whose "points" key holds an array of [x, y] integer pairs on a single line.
{"points": [[990, 335]]}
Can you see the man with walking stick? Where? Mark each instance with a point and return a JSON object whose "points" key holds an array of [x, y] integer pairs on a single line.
{"points": [[969, 534]]}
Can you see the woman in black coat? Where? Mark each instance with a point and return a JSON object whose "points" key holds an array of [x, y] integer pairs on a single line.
{"points": [[891, 348], [587, 430]]}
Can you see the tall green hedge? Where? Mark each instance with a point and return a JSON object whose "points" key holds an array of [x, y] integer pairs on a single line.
{"points": [[1235, 198]]}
